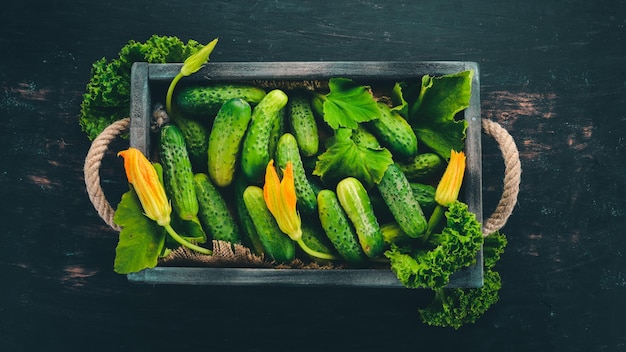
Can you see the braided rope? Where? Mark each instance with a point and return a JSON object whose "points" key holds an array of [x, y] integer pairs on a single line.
{"points": [[512, 176], [510, 154], [93, 160]]}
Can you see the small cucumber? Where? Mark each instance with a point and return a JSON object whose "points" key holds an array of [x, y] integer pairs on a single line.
{"points": [[278, 246], [302, 123], [423, 167], [338, 228], [196, 140], [396, 191], [287, 150], [315, 238], [250, 237], [214, 214], [394, 132], [225, 140], [392, 233], [356, 203], [425, 195], [177, 172], [205, 101], [256, 145]]}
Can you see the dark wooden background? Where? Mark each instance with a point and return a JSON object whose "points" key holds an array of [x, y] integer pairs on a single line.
{"points": [[552, 72]]}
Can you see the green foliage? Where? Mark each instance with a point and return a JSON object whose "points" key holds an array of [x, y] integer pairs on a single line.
{"points": [[107, 96], [348, 103]]}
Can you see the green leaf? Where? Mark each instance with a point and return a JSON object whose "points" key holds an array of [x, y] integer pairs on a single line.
{"points": [[344, 158], [141, 239], [432, 114], [347, 104]]}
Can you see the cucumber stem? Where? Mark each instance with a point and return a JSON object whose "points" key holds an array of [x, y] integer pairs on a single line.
{"points": [[315, 253], [186, 243], [170, 93], [433, 221]]}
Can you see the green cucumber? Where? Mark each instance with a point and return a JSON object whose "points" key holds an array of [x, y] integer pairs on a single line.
{"points": [[177, 172], [356, 203], [287, 150], [425, 195], [214, 213], [206, 100], [315, 238], [277, 245], [255, 154], [422, 167], [338, 228], [302, 123], [196, 140], [394, 133], [225, 140], [250, 237], [398, 195]]}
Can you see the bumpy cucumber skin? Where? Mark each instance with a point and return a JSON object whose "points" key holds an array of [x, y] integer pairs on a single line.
{"points": [[225, 140], [278, 246], [314, 237], [356, 203], [394, 132], [177, 172], [250, 237], [338, 228], [425, 195], [287, 150], [423, 167], [196, 140], [214, 214], [302, 123], [398, 195], [205, 101], [256, 145]]}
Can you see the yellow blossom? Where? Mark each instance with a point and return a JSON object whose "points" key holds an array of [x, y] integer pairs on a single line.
{"points": [[280, 197], [448, 188], [142, 175]]}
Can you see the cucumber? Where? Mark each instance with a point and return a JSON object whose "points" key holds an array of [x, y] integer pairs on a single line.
{"points": [[338, 228], [214, 214], [315, 238], [392, 233], [398, 195], [250, 237], [225, 140], [394, 133], [196, 140], [278, 246], [287, 150], [425, 195], [205, 101], [256, 145], [302, 123], [422, 167], [356, 203], [177, 172], [364, 138]]}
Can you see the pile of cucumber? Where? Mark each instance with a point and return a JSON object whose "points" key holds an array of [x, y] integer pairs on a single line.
{"points": [[221, 137]]}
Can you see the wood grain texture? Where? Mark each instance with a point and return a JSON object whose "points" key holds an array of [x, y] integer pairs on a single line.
{"points": [[552, 74]]}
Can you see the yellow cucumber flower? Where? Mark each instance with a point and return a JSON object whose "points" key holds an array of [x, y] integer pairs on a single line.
{"points": [[145, 180], [448, 188], [196, 61], [280, 197]]}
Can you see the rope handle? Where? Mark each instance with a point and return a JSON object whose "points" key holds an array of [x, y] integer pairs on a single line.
{"points": [[497, 220]]}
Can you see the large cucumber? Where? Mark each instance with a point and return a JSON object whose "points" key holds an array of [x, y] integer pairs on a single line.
{"points": [[356, 203], [206, 100], [287, 150], [394, 132], [177, 172], [338, 228], [225, 140], [214, 214], [196, 139], [422, 167], [278, 246], [256, 145], [302, 123], [398, 195]]}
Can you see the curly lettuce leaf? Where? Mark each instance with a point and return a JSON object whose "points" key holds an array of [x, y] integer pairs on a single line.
{"points": [[348, 103], [141, 240], [107, 96], [430, 265], [344, 157], [432, 113]]}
